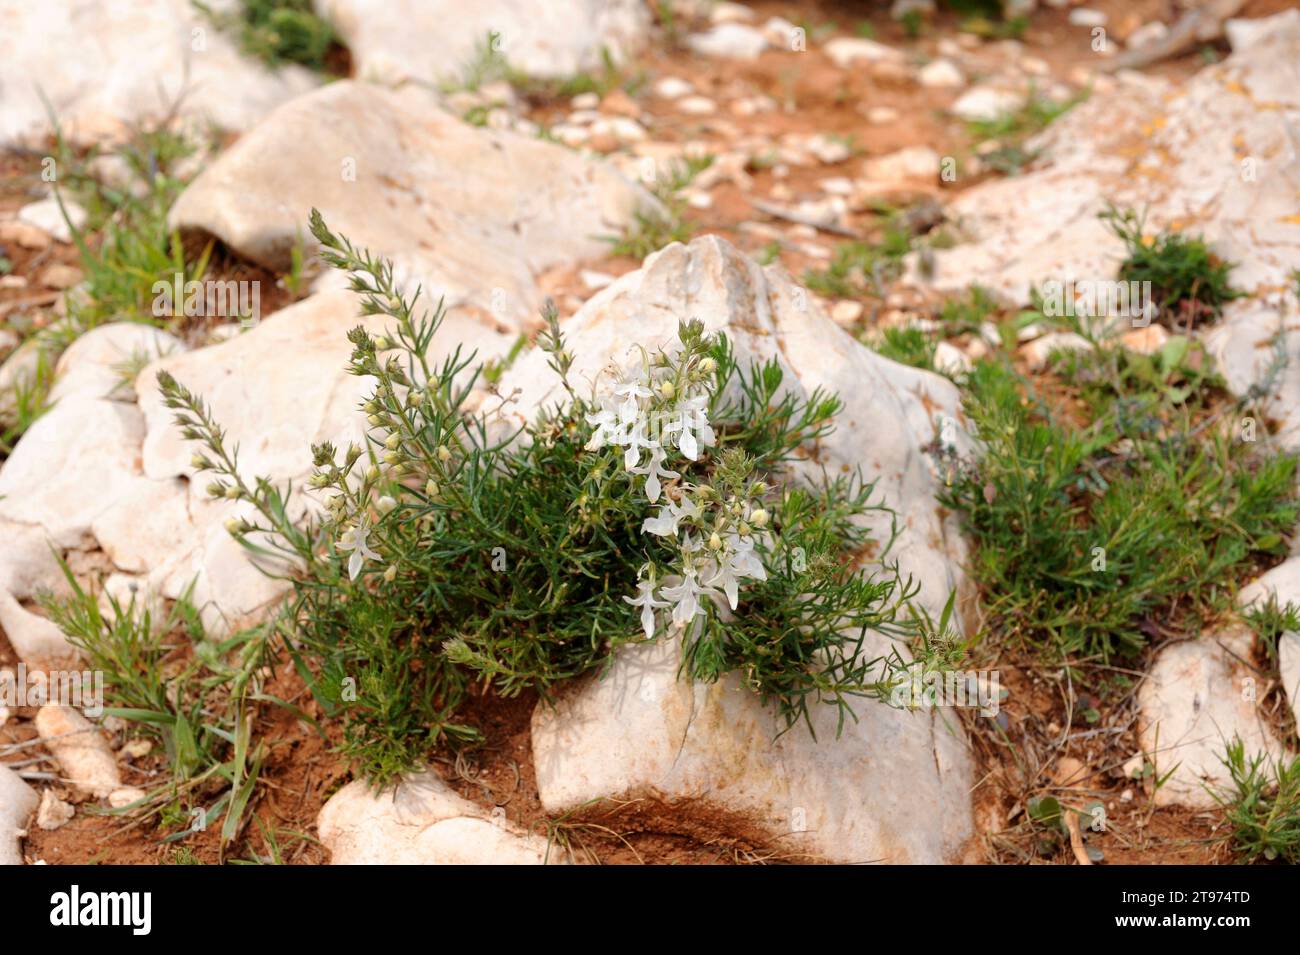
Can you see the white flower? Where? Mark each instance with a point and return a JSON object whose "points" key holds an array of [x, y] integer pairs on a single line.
{"points": [[635, 439], [670, 515], [645, 599], [686, 598], [691, 424], [607, 428], [354, 539], [653, 472], [630, 391], [740, 561]]}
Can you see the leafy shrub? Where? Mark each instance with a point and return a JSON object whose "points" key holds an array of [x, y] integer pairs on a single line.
{"points": [[659, 507], [1263, 806], [175, 684], [279, 31], [1091, 537], [1189, 283]]}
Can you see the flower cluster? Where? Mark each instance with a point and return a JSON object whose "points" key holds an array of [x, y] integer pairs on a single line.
{"points": [[659, 409]]}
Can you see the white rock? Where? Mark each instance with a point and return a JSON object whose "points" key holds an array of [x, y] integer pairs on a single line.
{"points": [[941, 74], [1083, 17], [1288, 664], [1283, 584], [1147, 34], [98, 363], [726, 12], [422, 822], [986, 102], [1195, 700], [846, 312], [595, 280], [706, 760], [829, 150], [714, 744], [913, 163], [123, 797], [1037, 352], [881, 115], [53, 813], [46, 215], [1145, 341], [735, 41], [846, 52], [697, 106], [672, 87], [17, 803], [82, 753], [950, 359], [107, 65], [473, 214], [393, 41], [622, 128], [782, 34]]}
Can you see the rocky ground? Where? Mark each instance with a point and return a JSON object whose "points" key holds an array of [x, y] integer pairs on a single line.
{"points": [[773, 136]]}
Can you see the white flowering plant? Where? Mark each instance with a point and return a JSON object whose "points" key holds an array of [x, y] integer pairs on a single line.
{"points": [[447, 560]]}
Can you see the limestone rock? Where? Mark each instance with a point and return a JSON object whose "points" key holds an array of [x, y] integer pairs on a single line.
{"points": [[100, 363], [1283, 583], [17, 803], [422, 822], [472, 214], [106, 65], [731, 40], [894, 787], [392, 41], [1196, 699], [81, 751], [848, 52], [53, 813]]}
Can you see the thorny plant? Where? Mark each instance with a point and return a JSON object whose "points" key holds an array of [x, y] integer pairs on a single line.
{"points": [[448, 556]]}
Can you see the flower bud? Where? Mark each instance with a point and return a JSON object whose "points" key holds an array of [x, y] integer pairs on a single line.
{"points": [[390, 573], [715, 542], [391, 457], [392, 441], [443, 454], [199, 462], [707, 365], [431, 488], [383, 343], [372, 473], [758, 518], [385, 504], [232, 492], [667, 389], [374, 420], [234, 525]]}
